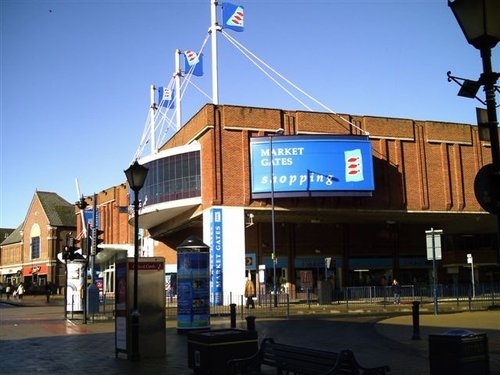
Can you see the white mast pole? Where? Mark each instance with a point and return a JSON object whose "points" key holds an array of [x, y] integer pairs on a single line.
{"points": [[152, 113], [213, 30], [178, 74], [84, 229]]}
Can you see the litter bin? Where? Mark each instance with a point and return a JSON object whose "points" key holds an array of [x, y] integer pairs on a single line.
{"points": [[324, 292], [209, 351], [459, 351]]}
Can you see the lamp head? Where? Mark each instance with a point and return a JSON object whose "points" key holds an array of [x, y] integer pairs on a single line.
{"points": [[479, 21], [136, 176]]}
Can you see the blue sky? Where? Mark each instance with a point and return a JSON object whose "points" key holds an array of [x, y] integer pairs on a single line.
{"points": [[75, 75]]}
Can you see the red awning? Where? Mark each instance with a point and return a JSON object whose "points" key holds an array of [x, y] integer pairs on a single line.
{"points": [[35, 270]]}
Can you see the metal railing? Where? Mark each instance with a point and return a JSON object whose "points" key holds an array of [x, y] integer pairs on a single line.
{"points": [[283, 305]]}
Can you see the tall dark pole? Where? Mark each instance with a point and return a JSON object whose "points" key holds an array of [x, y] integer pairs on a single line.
{"points": [[489, 79], [479, 22], [136, 176], [135, 313]]}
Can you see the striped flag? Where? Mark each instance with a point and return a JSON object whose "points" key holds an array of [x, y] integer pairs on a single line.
{"points": [[233, 17], [167, 96], [192, 58]]}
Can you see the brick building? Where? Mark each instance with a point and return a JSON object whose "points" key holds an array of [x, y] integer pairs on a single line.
{"points": [[29, 253], [112, 214], [423, 173], [423, 176]]}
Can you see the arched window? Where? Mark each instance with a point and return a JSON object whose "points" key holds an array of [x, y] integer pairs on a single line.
{"points": [[35, 241]]}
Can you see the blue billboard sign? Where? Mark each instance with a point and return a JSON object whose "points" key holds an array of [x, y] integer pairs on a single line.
{"points": [[311, 165]]}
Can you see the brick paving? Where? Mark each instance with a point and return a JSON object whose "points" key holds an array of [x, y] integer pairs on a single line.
{"points": [[36, 338]]}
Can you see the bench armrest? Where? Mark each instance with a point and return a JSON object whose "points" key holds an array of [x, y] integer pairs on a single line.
{"points": [[248, 365]]}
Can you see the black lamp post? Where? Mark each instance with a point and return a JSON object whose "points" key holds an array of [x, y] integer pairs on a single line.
{"points": [[136, 175], [480, 23]]}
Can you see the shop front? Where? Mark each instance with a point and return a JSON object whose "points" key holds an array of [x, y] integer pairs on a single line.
{"points": [[35, 278]]}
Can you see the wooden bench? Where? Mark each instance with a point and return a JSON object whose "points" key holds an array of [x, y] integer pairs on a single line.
{"points": [[288, 359]]}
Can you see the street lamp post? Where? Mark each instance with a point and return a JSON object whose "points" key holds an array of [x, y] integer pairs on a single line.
{"points": [[480, 23], [136, 175], [280, 131]]}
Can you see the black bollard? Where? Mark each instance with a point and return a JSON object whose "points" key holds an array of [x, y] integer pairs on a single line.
{"points": [[250, 323], [416, 321], [232, 307]]}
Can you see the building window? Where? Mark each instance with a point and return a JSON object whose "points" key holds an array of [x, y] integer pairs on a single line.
{"points": [[35, 247], [172, 178]]}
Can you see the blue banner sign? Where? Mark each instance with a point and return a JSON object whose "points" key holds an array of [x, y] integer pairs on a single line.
{"points": [[311, 165], [216, 287], [89, 218]]}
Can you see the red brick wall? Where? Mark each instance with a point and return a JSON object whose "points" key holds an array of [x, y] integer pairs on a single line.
{"points": [[419, 165]]}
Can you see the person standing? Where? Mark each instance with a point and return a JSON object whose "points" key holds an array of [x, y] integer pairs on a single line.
{"points": [[396, 290], [249, 293]]}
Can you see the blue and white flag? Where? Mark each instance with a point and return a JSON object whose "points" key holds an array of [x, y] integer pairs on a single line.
{"points": [[233, 17], [167, 96], [192, 58]]}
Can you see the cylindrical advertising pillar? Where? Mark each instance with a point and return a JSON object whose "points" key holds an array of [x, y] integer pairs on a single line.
{"points": [[193, 285]]}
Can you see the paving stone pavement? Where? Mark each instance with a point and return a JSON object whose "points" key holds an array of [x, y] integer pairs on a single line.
{"points": [[38, 339]]}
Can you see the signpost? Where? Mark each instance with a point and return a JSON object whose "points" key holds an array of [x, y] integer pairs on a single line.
{"points": [[433, 240], [471, 262]]}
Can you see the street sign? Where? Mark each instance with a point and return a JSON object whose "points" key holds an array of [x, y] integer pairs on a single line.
{"points": [[436, 233]]}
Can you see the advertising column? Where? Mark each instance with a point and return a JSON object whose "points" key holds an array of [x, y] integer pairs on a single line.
{"points": [[193, 285]]}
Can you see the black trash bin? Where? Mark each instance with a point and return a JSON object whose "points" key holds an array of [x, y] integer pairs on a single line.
{"points": [[459, 351], [209, 351], [324, 292]]}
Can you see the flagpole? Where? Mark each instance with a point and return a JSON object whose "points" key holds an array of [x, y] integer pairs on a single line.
{"points": [[178, 74], [152, 113], [213, 30]]}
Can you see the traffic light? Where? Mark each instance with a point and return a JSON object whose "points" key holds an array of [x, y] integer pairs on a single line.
{"points": [[96, 241], [65, 252], [70, 250]]}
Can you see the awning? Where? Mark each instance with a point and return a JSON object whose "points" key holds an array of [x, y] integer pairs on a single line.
{"points": [[41, 269], [10, 271]]}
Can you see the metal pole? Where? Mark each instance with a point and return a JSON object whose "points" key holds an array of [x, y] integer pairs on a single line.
{"points": [[152, 110], [178, 74], [472, 278], [213, 31], [93, 239], [434, 272], [490, 79], [275, 286], [135, 313]]}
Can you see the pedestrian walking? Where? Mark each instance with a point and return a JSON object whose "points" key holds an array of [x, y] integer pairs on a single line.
{"points": [[249, 293], [396, 290], [48, 292], [8, 290], [20, 291]]}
